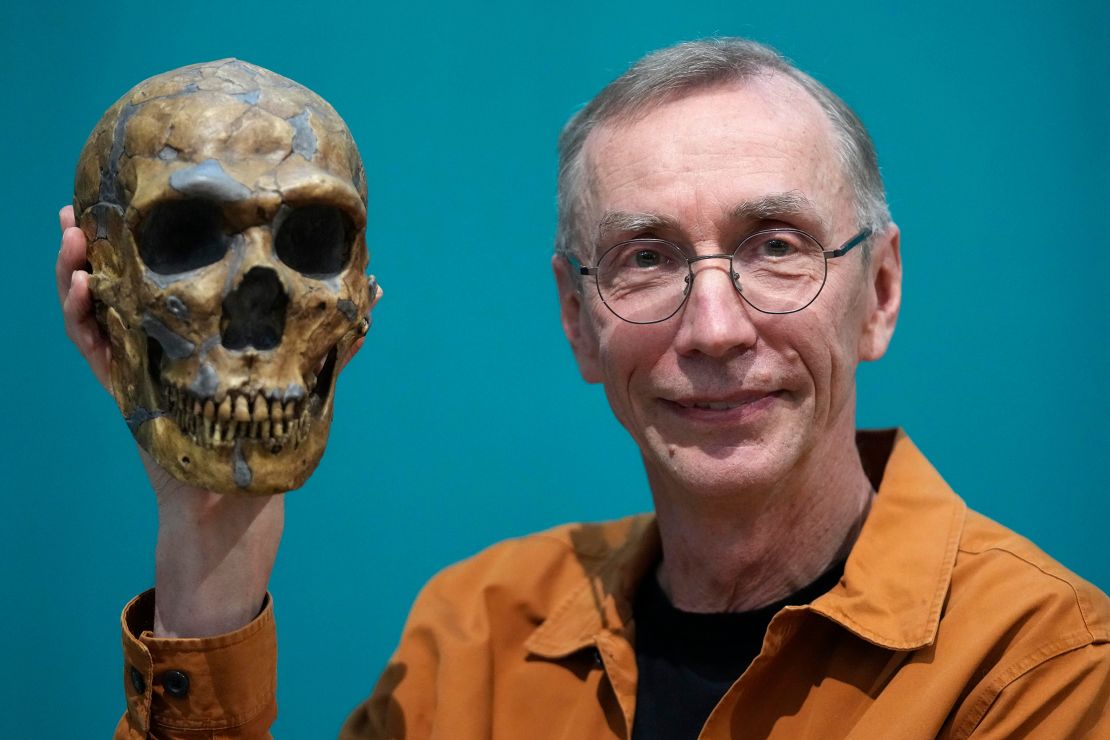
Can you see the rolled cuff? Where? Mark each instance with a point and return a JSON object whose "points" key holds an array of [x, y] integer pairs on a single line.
{"points": [[179, 686]]}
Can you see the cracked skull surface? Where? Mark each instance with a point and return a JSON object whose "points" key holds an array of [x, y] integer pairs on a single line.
{"points": [[225, 209]]}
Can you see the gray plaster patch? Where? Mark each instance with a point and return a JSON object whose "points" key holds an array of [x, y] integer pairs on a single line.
{"points": [[192, 87], [164, 281], [304, 140], [294, 392], [250, 98], [109, 177], [167, 153], [177, 307], [207, 345], [206, 382], [173, 344], [347, 308], [101, 217], [240, 470], [141, 416], [208, 180], [238, 247]]}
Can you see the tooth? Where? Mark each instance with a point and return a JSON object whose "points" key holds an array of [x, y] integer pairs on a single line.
{"points": [[209, 410], [265, 430], [290, 409], [310, 381], [216, 435], [261, 412], [242, 409], [207, 430], [198, 409], [275, 410], [225, 409], [253, 433], [279, 430]]}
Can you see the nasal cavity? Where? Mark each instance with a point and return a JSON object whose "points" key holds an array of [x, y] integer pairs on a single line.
{"points": [[254, 313]]}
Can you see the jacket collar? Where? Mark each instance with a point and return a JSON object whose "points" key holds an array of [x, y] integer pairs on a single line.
{"points": [[895, 579]]}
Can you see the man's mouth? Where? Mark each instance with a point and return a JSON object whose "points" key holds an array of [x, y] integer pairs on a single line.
{"points": [[739, 404], [714, 405], [723, 404]]}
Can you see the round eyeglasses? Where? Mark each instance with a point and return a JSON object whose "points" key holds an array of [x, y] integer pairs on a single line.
{"points": [[777, 271]]}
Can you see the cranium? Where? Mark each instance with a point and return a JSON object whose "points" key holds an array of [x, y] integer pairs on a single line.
{"points": [[225, 207]]}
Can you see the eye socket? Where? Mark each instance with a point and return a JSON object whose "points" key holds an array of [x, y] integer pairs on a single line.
{"points": [[315, 240], [182, 235]]}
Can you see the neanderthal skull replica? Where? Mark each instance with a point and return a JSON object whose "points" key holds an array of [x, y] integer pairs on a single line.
{"points": [[225, 207]]}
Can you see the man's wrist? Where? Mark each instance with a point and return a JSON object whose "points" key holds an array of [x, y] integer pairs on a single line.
{"points": [[213, 560]]}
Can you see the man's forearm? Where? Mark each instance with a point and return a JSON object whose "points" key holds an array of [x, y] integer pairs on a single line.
{"points": [[213, 558]]}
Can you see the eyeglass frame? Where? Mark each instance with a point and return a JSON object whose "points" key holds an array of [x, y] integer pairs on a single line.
{"points": [[861, 236]]}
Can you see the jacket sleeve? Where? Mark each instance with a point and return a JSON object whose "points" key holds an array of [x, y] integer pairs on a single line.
{"points": [[219, 687], [1067, 696]]}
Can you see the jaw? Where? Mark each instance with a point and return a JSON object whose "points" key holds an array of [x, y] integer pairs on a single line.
{"points": [[273, 416], [253, 439]]}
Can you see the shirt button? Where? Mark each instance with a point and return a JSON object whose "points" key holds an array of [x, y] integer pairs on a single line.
{"points": [[137, 681], [176, 683]]}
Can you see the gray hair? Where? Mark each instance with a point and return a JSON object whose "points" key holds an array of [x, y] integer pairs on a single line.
{"points": [[696, 65]]}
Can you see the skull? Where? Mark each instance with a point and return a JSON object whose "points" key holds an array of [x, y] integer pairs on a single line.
{"points": [[225, 208]]}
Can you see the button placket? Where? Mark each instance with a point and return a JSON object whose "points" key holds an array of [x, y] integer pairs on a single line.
{"points": [[137, 681]]}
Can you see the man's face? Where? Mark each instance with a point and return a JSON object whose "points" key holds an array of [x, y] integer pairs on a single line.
{"points": [[720, 395]]}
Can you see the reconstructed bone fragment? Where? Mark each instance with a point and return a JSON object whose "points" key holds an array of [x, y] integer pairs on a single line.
{"points": [[225, 209]]}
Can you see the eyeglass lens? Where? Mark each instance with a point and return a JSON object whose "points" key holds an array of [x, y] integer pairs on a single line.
{"points": [[646, 280]]}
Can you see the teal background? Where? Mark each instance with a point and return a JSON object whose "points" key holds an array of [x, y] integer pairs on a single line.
{"points": [[464, 420]]}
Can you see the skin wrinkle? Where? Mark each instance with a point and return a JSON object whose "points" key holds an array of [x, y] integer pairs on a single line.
{"points": [[741, 499]]}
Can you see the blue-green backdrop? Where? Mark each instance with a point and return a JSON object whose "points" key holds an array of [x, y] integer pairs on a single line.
{"points": [[464, 421]]}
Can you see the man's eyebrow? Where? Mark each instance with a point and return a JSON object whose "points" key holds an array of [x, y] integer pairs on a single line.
{"points": [[763, 208], [777, 206], [624, 221]]}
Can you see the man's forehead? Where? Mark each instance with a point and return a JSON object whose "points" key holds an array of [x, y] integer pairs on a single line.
{"points": [[769, 103], [768, 133]]}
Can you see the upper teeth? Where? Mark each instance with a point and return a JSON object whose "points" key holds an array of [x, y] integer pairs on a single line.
{"points": [[236, 415]]}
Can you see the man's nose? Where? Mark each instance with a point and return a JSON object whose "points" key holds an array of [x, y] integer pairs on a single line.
{"points": [[715, 320]]}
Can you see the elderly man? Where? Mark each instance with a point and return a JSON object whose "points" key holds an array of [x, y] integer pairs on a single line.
{"points": [[725, 259]]}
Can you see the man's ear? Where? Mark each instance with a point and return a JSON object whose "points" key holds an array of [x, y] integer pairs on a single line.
{"points": [[884, 294], [576, 320]]}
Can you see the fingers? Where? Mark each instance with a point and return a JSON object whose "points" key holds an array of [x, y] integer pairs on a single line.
{"points": [[72, 256], [376, 291], [82, 329], [66, 218], [355, 347]]}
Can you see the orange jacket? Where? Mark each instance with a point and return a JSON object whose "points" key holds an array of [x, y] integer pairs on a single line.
{"points": [[945, 624]]}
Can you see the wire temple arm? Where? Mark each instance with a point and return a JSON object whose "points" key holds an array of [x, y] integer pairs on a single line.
{"points": [[849, 245], [579, 267]]}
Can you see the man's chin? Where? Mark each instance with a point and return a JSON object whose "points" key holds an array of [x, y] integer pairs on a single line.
{"points": [[714, 469]]}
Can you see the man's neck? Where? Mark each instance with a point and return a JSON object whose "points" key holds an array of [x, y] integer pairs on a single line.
{"points": [[739, 559]]}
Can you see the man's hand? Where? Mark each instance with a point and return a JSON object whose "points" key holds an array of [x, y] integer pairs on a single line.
{"points": [[76, 300], [214, 552]]}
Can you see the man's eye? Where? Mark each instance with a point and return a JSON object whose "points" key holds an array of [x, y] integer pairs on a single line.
{"points": [[647, 258], [777, 248]]}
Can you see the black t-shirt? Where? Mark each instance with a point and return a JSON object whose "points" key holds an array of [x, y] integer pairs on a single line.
{"points": [[687, 661]]}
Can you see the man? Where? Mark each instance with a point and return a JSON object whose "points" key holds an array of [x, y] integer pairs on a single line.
{"points": [[724, 260]]}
